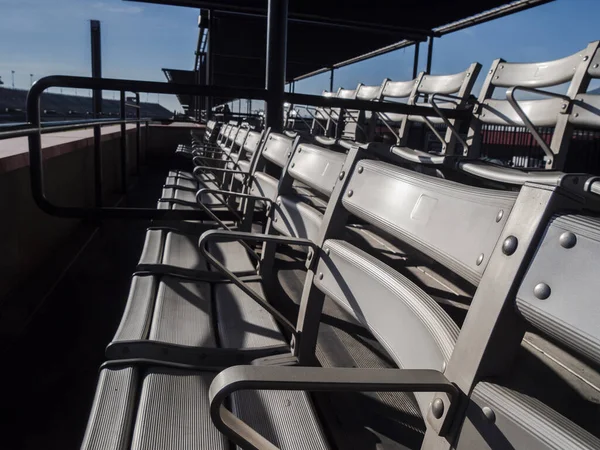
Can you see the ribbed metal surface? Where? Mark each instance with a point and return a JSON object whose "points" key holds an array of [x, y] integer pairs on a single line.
{"points": [[181, 250], [153, 247], [286, 418], [138, 311], [414, 329], [233, 256], [109, 424], [186, 183], [242, 322], [571, 311], [523, 420], [173, 414], [182, 314]]}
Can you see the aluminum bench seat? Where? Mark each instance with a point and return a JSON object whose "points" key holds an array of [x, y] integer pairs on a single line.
{"points": [[177, 252], [182, 312], [172, 413]]}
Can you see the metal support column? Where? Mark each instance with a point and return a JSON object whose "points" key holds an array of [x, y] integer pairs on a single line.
{"points": [[429, 54], [138, 133], [331, 80], [97, 109], [210, 50], [123, 144], [416, 61], [276, 62]]}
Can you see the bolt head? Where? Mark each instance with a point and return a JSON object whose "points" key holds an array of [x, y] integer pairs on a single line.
{"points": [[320, 275], [327, 251], [585, 58], [479, 259], [360, 169], [293, 164], [489, 414], [437, 408], [350, 193], [499, 216], [567, 239], [509, 246], [342, 174], [595, 66], [542, 291]]}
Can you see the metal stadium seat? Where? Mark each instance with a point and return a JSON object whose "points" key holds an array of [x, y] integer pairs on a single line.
{"points": [[454, 91]]}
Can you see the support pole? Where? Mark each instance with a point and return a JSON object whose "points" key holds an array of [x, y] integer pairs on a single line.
{"points": [[416, 61], [429, 54], [210, 51], [138, 133], [97, 109], [123, 144], [276, 62], [331, 80]]}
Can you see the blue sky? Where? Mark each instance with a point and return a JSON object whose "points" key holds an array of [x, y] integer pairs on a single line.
{"points": [[46, 37]]}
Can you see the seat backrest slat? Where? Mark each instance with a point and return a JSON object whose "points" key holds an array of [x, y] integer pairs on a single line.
{"points": [[277, 149], [316, 167], [455, 224], [391, 306], [252, 142]]}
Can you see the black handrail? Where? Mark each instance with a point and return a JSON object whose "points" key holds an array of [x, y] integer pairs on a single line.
{"points": [[35, 147]]}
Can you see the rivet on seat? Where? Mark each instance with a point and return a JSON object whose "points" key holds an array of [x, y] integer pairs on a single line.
{"points": [[479, 259], [510, 244], [489, 414], [327, 251], [342, 173], [499, 215], [360, 169], [437, 408], [542, 291], [567, 239], [350, 193], [320, 275]]}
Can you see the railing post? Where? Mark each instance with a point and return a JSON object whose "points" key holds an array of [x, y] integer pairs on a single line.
{"points": [[429, 54], [330, 80], [146, 139], [97, 106], [416, 61], [138, 133], [123, 144], [276, 62]]}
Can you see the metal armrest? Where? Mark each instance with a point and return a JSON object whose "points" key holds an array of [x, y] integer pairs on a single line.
{"points": [[232, 194], [314, 117], [218, 169], [243, 237], [508, 175], [510, 96], [447, 122], [239, 378]]}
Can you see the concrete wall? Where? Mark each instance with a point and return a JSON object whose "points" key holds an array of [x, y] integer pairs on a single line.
{"points": [[29, 236]]}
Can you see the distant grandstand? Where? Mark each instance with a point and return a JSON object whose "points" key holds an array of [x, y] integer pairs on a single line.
{"points": [[68, 107]]}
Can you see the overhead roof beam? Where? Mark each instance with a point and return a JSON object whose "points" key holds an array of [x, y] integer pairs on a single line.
{"points": [[311, 19]]}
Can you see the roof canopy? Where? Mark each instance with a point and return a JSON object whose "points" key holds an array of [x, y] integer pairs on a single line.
{"points": [[324, 34]]}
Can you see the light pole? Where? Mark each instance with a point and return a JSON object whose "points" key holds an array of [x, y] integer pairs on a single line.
{"points": [[12, 72], [30, 79]]}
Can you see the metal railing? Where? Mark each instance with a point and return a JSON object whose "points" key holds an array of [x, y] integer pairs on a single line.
{"points": [[101, 212]]}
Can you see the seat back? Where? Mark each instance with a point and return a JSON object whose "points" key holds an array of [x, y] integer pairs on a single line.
{"points": [[451, 91], [312, 170], [547, 114], [358, 125], [394, 91], [276, 150], [409, 324]]}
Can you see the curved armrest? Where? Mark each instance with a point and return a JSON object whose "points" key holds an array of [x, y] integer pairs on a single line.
{"points": [[199, 169], [244, 237], [238, 378], [232, 194], [510, 96]]}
